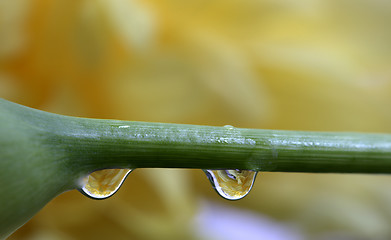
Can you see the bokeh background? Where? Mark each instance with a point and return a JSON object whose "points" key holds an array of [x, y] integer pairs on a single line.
{"points": [[321, 65]]}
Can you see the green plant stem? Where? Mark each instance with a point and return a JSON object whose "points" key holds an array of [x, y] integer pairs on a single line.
{"points": [[107, 144], [44, 154], [92, 144]]}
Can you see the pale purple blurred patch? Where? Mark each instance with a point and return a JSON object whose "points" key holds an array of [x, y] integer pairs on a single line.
{"points": [[218, 222]]}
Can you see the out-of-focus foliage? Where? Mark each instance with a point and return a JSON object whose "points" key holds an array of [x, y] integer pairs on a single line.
{"points": [[302, 65]]}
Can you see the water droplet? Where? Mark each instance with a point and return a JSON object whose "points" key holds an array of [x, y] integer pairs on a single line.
{"points": [[231, 184], [103, 183], [229, 127]]}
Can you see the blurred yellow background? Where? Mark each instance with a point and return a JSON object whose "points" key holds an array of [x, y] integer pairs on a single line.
{"points": [[321, 65]]}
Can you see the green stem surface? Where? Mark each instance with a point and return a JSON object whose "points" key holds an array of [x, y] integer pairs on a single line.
{"points": [[106, 144], [92, 144]]}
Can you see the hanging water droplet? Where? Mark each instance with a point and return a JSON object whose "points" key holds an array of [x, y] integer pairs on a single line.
{"points": [[103, 183], [231, 184]]}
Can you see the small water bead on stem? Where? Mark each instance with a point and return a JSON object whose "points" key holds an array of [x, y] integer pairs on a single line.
{"points": [[229, 127], [103, 184], [231, 184]]}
